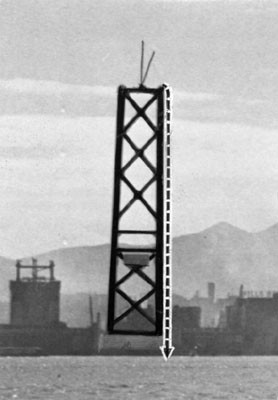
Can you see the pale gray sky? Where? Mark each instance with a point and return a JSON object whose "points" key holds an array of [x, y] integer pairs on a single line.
{"points": [[60, 64]]}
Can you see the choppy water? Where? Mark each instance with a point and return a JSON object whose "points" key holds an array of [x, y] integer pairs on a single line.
{"points": [[82, 378]]}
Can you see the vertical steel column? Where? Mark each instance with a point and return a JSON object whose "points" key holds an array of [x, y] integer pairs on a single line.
{"points": [[160, 213], [116, 207]]}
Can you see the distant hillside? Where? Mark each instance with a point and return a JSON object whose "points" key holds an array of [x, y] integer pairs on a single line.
{"points": [[228, 256], [223, 253], [81, 269]]}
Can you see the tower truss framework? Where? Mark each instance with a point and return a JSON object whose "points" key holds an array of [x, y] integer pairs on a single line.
{"points": [[138, 259]]}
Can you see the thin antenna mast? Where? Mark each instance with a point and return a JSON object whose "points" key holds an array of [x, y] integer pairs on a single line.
{"points": [[143, 76], [148, 67], [142, 62]]}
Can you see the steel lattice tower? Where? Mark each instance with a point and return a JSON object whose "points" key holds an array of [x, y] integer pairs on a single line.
{"points": [[137, 260]]}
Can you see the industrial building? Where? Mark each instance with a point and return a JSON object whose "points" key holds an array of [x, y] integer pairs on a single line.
{"points": [[212, 308], [35, 327], [256, 320], [35, 301]]}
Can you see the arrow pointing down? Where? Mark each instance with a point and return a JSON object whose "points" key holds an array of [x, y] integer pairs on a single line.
{"points": [[167, 348]]}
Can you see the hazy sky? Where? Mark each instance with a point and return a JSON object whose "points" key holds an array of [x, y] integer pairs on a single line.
{"points": [[60, 64]]}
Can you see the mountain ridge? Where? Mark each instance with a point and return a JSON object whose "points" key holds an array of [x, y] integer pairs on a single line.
{"points": [[222, 253]]}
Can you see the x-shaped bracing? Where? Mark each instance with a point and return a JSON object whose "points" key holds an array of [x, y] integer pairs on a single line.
{"points": [[135, 305], [139, 153]]}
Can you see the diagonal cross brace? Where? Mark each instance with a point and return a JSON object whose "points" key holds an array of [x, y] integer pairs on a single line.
{"points": [[135, 305], [138, 195], [139, 152], [136, 270], [140, 112]]}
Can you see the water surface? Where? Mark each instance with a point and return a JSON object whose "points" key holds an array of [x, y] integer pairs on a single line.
{"points": [[136, 378]]}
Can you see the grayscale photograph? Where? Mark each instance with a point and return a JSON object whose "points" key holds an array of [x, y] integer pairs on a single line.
{"points": [[139, 199]]}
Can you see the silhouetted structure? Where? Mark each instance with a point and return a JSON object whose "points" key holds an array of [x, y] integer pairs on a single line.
{"points": [[186, 317], [151, 172], [256, 320], [211, 292], [35, 300], [35, 328]]}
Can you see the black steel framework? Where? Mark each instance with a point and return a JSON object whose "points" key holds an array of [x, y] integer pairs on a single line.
{"points": [[36, 268], [124, 133]]}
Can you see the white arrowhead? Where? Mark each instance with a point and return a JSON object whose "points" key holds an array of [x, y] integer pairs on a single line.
{"points": [[167, 351]]}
